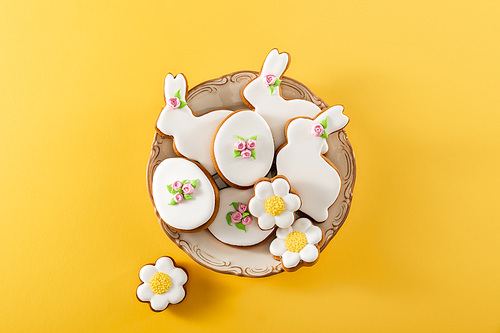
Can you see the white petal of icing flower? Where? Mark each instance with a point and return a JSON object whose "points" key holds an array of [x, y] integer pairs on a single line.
{"points": [[144, 292], [164, 265], [263, 190], [159, 302], [309, 253], [277, 247], [266, 221], [175, 295], [285, 219], [313, 235], [292, 202], [283, 232], [256, 207], [301, 225], [178, 277], [147, 272], [290, 259], [281, 187]]}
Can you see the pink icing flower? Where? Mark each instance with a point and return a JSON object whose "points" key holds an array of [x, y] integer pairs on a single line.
{"points": [[240, 145], [174, 102], [246, 153], [270, 79], [251, 144], [176, 185], [188, 189], [242, 208], [317, 130], [246, 220], [178, 197], [236, 217]]}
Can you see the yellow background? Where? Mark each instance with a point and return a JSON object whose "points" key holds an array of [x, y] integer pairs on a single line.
{"points": [[81, 85]]}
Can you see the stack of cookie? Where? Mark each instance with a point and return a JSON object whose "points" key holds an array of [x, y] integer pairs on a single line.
{"points": [[270, 159]]}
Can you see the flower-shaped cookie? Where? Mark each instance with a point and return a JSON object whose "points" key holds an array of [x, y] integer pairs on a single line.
{"points": [[297, 243], [163, 284], [274, 203]]}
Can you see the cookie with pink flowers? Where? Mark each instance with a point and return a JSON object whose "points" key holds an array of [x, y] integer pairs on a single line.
{"points": [[184, 194], [243, 149]]}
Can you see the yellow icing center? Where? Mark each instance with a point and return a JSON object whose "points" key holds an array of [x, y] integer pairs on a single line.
{"points": [[160, 283], [295, 241], [274, 206]]}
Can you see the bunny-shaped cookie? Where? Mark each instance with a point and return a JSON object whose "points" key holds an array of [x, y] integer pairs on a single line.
{"points": [[301, 160], [192, 134], [264, 95]]}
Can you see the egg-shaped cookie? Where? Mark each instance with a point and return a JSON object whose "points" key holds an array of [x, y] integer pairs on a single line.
{"points": [[234, 225], [184, 194], [243, 149]]}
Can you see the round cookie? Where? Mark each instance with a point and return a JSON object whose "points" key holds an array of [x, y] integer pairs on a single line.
{"points": [[243, 149], [185, 195], [235, 229]]}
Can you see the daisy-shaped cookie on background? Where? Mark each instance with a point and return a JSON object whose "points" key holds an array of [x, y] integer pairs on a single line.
{"points": [[163, 284], [274, 203], [297, 244]]}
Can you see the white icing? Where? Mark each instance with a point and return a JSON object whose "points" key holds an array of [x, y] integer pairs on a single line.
{"points": [[316, 181], [189, 214], [229, 234], [174, 294], [192, 135], [264, 190], [275, 109], [237, 170], [308, 254]]}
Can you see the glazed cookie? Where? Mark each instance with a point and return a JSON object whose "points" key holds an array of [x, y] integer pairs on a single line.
{"points": [[163, 284], [234, 225], [243, 149], [191, 134], [264, 95], [184, 194], [298, 244], [302, 161], [274, 203]]}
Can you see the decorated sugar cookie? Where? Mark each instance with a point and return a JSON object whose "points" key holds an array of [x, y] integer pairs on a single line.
{"points": [[163, 284], [185, 195], [314, 177], [274, 203], [264, 95], [234, 225], [192, 134], [297, 244], [243, 149]]}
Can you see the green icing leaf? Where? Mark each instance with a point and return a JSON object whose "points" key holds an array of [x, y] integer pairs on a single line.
{"points": [[188, 197], [253, 154], [272, 89], [237, 153], [277, 82], [184, 181], [324, 135], [169, 188], [324, 122], [239, 137], [178, 191], [240, 226], [235, 205], [172, 202], [228, 217], [253, 137], [245, 214], [183, 104], [178, 94], [194, 182]]}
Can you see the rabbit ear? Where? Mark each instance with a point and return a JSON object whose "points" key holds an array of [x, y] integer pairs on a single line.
{"points": [[335, 120], [174, 84], [275, 63]]}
